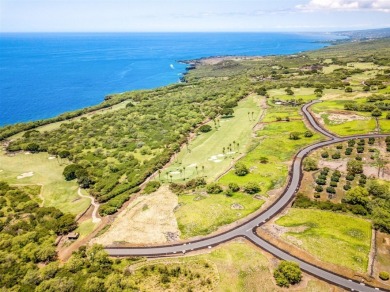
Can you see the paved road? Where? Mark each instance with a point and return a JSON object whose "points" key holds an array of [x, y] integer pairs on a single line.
{"points": [[247, 229]]}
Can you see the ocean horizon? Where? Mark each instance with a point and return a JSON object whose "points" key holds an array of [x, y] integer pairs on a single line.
{"points": [[45, 74]]}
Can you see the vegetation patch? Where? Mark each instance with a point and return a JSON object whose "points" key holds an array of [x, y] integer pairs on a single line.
{"points": [[331, 237], [203, 214], [56, 192]]}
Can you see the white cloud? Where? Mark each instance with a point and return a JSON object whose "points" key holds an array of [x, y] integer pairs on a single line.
{"points": [[346, 5]]}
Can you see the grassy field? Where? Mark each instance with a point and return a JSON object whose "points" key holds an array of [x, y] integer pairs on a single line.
{"points": [[85, 228], [204, 155], [46, 172], [349, 126], [275, 145], [235, 266], [336, 238], [203, 214]]}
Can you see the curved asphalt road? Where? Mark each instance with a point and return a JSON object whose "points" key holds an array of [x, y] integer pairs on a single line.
{"points": [[248, 228]]}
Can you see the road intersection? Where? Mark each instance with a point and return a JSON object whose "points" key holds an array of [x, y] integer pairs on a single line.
{"points": [[248, 228]]}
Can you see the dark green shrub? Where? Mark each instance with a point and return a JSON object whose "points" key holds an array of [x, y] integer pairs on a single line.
{"points": [[213, 188], [252, 188], [330, 190], [308, 134], [287, 273], [151, 187], [321, 182], [241, 169], [336, 155], [325, 154], [335, 178], [234, 187], [347, 187], [205, 128], [384, 276], [70, 171]]}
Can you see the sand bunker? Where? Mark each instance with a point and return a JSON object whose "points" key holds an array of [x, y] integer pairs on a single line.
{"points": [[26, 174], [216, 158]]}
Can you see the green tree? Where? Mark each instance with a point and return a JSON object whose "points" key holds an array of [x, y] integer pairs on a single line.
{"points": [[355, 167], [205, 128], [32, 147], [310, 164], [289, 91], [376, 113], [357, 196], [287, 273], [227, 112], [241, 169], [213, 188], [234, 187], [252, 188], [70, 171]]}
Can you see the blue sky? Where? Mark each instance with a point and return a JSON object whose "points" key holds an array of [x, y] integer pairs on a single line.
{"points": [[191, 15]]}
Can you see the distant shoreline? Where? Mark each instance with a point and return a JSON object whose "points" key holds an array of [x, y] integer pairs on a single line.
{"points": [[84, 98]]}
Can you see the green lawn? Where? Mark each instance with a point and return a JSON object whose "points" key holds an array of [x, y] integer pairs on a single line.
{"points": [[384, 125], [47, 172], [275, 145], [85, 228], [363, 126], [203, 214], [200, 214], [331, 237], [206, 150]]}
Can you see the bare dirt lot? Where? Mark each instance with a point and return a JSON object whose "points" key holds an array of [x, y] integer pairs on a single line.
{"points": [[149, 219]]}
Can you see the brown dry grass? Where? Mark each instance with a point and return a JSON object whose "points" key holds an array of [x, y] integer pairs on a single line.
{"points": [[146, 220], [382, 259]]}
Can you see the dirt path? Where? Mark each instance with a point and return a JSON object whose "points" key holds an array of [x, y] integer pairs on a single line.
{"points": [[95, 218]]}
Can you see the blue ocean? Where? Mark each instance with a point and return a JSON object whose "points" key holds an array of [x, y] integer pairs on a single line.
{"points": [[43, 75]]}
